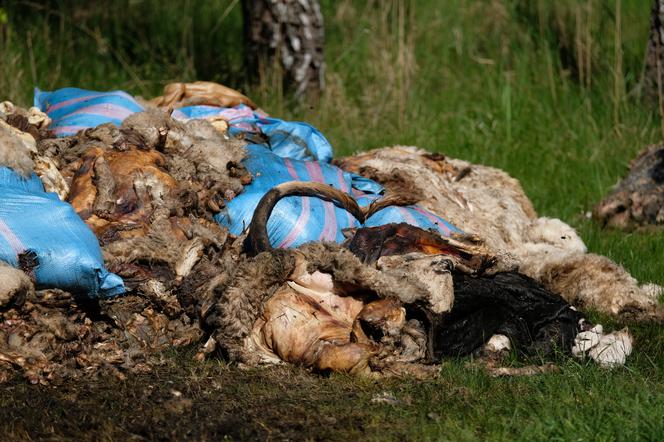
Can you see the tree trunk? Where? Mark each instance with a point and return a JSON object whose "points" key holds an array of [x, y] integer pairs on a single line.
{"points": [[653, 80], [288, 34]]}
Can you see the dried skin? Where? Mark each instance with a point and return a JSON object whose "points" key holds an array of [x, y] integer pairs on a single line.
{"points": [[123, 187], [15, 150], [312, 328], [149, 194], [320, 307], [200, 93], [638, 200], [489, 203]]}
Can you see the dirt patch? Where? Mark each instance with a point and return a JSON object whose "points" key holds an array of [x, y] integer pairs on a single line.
{"points": [[179, 400]]}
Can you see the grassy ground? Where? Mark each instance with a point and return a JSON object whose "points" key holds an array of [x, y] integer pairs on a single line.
{"points": [[545, 90]]}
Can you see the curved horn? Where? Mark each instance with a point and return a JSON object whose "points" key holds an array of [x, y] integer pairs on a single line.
{"points": [[387, 201], [257, 241]]}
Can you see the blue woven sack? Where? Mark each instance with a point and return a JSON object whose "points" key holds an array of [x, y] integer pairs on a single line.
{"points": [[73, 109], [44, 236], [296, 220]]}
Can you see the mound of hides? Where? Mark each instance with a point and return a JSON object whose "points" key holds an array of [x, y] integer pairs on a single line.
{"points": [[392, 312], [638, 200], [488, 202], [232, 230]]}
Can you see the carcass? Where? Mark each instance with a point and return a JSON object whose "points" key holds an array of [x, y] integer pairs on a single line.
{"points": [[394, 300], [638, 200], [491, 204]]}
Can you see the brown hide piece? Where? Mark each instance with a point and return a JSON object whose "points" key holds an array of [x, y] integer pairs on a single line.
{"points": [[370, 244], [637, 201], [200, 93], [123, 187], [327, 310]]}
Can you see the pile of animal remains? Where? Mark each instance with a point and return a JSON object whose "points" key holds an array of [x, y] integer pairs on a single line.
{"points": [[392, 299]]}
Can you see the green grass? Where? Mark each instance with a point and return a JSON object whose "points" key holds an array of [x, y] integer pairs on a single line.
{"points": [[531, 86]]}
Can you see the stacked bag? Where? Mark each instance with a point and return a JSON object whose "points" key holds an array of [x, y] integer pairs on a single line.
{"points": [[278, 152], [297, 220], [46, 238]]}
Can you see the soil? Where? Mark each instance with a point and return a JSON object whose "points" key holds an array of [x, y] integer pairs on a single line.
{"points": [[180, 399]]}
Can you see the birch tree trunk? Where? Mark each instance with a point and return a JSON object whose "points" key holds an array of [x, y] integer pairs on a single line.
{"points": [[653, 80], [289, 34]]}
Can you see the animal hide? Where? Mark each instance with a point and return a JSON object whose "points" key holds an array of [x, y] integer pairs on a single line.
{"points": [[18, 150], [638, 200], [148, 190], [322, 307], [50, 336], [308, 306], [200, 93], [489, 203]]}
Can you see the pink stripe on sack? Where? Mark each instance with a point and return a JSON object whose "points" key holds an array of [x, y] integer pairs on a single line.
{"points": [[232, 113], [291, 169], [342, 182], [245, 127], [357, 192], [329, 231], [68, 129], [315, 171], [407, 216], [346, 188], [433, 218], [179, 115], [84, 98], [105, 110], [12, 239], [301, 222]]}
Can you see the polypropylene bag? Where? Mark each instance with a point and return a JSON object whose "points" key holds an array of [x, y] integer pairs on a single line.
{"points": [[72, 109], [268, 170], [291, 139], [9, 178], [231, 114], [45, 236], [297, 220], [287, 139]]}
